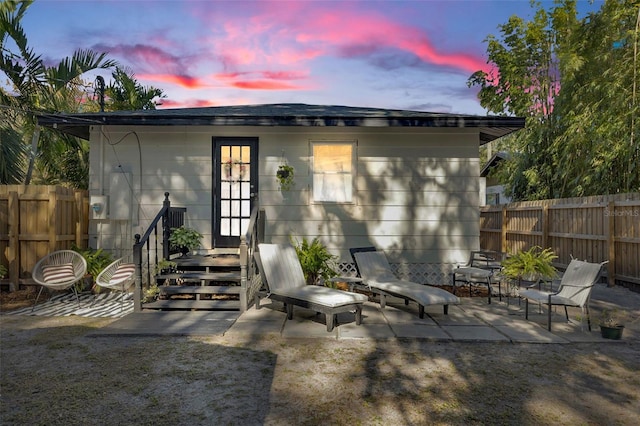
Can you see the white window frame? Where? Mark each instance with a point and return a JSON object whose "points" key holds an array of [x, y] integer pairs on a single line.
{"points": [[345, 190]]}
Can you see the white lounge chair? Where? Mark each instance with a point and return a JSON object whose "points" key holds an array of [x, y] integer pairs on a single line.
{"points": [[59, 270], [282, 274], [575, 290], [376, 273]]}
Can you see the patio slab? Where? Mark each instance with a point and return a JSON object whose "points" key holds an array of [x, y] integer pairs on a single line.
{"points": [[475, 333]]}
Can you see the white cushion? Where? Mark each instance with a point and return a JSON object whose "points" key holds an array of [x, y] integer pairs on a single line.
{"points": [[123, 273], [322, 295], [56, 274]]}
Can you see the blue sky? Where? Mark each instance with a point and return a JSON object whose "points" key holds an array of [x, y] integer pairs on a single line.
{"points": [[389, 54]]}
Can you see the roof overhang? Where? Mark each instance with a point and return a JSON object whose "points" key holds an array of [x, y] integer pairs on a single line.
{"points": [[287, 115]]}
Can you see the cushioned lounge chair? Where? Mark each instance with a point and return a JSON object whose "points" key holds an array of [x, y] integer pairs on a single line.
{"points": [[282, 274], [373, 267], [575, 290]]}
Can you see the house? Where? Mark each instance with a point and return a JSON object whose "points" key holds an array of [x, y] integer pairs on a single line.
{"points": [[491, 190], [404, 181]]}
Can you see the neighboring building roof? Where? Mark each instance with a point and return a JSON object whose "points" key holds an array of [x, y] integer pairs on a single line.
{"points": [[493, 162], [491, 127]]}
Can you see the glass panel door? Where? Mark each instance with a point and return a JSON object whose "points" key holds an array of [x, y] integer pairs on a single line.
{"points": [[235, 183]]}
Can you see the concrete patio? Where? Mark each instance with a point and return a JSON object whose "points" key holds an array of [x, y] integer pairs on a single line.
{"points": [[471, 321]]}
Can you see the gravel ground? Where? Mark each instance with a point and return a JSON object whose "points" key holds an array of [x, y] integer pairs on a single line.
{"points": [[52, 374]]}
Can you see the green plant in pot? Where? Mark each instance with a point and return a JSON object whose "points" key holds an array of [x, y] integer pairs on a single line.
{"points": [[530, 265], [610, 328], [317, 263], [184, 239], [97, 260], [284, 176]]}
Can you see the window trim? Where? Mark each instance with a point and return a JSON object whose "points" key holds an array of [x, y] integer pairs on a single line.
{"points": [[354, 147]]}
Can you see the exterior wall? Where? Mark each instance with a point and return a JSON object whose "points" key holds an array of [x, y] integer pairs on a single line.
{"points": [[416, 189]]}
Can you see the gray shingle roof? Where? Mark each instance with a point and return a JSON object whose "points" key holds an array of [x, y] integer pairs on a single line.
{"points": [[491, 127]]}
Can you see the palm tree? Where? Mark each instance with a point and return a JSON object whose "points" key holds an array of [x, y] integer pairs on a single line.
{"points": [[126, 94], [37, 89]]}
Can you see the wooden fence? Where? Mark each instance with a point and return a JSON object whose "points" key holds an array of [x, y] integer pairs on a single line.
{"points": [[595, 228], [36, 220]]}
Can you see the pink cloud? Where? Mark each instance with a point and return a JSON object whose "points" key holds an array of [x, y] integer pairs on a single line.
{"points": [[180, 80]]}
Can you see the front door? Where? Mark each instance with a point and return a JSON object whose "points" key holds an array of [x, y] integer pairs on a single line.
{"points": [[235, 183]]}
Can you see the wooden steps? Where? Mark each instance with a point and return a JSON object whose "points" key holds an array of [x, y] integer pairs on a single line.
{"points": [[200, 283]]}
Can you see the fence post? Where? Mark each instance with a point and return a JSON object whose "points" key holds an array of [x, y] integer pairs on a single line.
{"points": [[80, 217], [545, 226], [13, 252], [610, 213], [503, 230], [53, 223]]}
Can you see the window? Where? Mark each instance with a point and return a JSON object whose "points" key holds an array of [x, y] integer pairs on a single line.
{"points": [[333, 165]]}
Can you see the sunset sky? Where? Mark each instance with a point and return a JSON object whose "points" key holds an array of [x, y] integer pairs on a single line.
{"points": [[389, 54]]}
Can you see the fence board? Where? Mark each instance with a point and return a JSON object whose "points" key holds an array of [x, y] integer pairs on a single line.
{"points": [[35, 220], [598, 228]]}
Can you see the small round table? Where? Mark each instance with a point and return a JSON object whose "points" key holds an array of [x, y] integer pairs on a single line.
{"points": [[350, 281]]}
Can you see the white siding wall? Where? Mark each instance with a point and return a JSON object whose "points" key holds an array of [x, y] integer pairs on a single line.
{"points": [[416, 189]]}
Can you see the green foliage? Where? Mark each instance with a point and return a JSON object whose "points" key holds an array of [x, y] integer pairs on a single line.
{"points": [[531, 264], [609, 318], [576, 81], [184, 237], [164, 265], [316, 261], [284, 176], [150, 294], [97, 260], [126, 94], [3, 271]]}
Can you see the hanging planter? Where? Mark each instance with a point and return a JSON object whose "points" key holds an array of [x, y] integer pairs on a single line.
{"points": [[284, 176]]}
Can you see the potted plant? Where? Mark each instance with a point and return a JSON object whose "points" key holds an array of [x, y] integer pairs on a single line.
{"points": [[317, 263], [530, 265], [284, 176], [3, 271], [97, 260], [184, 239], [610, 328]]}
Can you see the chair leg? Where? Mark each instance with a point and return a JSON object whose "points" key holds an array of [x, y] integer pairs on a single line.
{"points": [[549, 317], [526, 309], [359, 314], [588, 317], [446, 309], [330, 318], [566, 313], [37, 297], [421, 311]]}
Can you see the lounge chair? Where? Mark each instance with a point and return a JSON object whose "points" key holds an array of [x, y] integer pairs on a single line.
{"points": [[59, 270], [374, 268], [119, 275], [282, 274], [575, 290]]}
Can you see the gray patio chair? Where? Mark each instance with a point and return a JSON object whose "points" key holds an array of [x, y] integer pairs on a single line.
{"points": [[119, 275], [58, 271], [575, 290], [372, 265], [282, 273]]}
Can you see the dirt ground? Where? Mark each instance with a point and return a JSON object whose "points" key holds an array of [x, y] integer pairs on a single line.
{"points": [[52, 373]]}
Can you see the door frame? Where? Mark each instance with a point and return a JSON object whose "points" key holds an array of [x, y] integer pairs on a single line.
{"points": [[218, 240]]}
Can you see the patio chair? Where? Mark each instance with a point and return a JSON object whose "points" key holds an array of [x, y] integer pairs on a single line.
{"points": [[481, 269], [58, 271], [575, 290], [281, 272], [119, 275], [373, 267]]}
